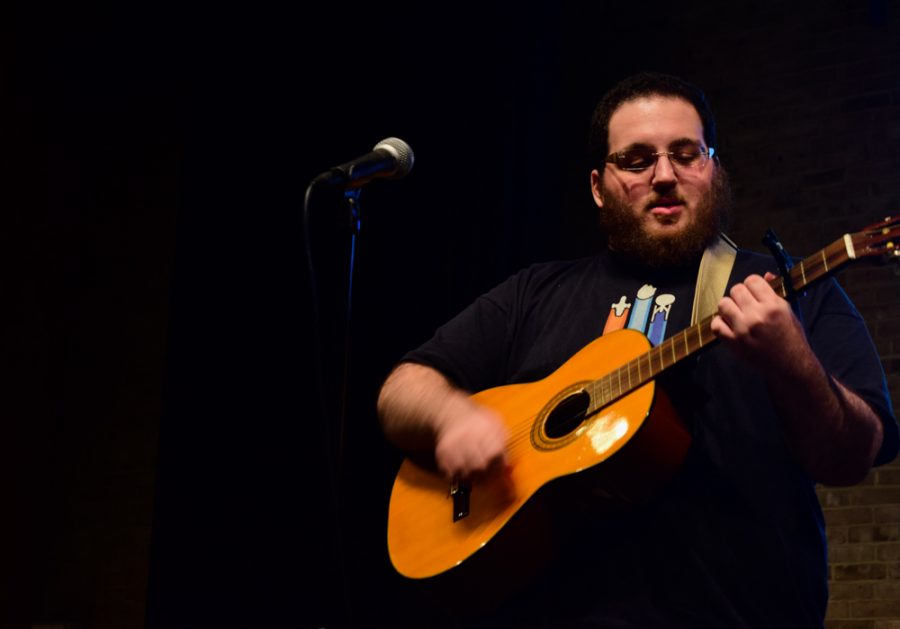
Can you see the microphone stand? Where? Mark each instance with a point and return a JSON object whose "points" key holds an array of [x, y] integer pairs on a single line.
{"points": [[333, 449], [785, 264], [353, 204], [390, 158]]}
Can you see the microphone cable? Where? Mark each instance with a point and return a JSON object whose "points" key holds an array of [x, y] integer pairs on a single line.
{"points": [[333, 454], [392, 158]]}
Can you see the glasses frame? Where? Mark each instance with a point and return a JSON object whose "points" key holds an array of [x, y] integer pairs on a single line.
{"points": [[706, 153]]}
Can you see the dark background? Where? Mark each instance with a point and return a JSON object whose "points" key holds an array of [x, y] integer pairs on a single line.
{"points": [[167, 457]]}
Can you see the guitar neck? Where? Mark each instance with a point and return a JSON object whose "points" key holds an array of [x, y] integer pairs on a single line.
{"points": [[816, 266], [646, 367]]}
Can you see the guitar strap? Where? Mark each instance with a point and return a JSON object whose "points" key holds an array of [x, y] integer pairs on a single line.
{"points": [[712, 278]]}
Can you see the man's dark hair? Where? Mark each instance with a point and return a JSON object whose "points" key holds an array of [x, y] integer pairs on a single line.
{"points": [[638, 86]]}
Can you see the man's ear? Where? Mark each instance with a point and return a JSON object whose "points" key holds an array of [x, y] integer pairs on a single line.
{"points": [[596, 188]]}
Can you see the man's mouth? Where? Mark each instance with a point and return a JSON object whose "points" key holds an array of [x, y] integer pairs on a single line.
{"points": [[666, 207]]}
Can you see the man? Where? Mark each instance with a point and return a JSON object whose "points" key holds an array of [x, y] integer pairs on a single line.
{"points": [[736, 539]]}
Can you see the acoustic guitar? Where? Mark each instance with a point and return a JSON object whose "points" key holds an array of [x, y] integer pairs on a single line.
{"points": [[600, 409]]}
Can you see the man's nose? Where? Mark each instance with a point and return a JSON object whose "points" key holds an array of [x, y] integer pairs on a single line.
{"points": [[663, 173]]}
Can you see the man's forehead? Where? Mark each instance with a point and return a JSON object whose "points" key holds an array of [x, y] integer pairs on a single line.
{"points": [[654, 120]]}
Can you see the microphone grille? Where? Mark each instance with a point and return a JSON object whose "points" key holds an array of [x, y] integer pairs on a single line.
{"points": [[401, 151]]}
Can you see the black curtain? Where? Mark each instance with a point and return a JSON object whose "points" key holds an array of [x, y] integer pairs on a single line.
{"points": [[272, 490]]}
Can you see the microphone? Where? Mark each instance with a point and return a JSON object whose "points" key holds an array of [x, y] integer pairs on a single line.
{"points": [[391, 158]]}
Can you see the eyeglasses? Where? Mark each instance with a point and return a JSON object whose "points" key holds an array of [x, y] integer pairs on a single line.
{"points": [[690, 156]]}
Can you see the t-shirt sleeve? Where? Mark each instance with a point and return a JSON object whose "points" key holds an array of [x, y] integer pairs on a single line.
{"points": [[473, 347], [842, 342]]}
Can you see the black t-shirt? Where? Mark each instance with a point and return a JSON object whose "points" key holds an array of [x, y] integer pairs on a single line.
{"points": [[529, 325], [737, 538]]}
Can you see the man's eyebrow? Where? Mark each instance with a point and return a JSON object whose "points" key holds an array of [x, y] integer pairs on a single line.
{"points": [[677, 143], [684, 142], [636, 146]]}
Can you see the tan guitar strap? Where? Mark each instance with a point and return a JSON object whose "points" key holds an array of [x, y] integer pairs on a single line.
{"points": [[712, 278]]}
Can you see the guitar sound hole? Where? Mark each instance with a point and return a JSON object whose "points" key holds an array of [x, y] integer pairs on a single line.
{"points": [[567, 415]]}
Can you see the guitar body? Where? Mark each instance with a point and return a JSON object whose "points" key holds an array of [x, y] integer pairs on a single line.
{"points": [[635, 443]]}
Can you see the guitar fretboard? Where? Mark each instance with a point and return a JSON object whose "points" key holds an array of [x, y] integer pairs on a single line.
{"points": [[641, 370]]}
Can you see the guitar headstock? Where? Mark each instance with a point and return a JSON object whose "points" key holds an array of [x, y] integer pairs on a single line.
{"points": [[877, 240]]}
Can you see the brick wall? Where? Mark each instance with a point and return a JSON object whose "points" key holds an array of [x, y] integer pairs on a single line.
{"points": [[808, 102]]}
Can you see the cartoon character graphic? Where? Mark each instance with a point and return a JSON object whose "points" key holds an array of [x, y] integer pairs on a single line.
{"points": [[659, 318], [641, 310], [645, 315], [618, 315]]}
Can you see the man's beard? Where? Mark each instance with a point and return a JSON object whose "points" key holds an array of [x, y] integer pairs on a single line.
{"points": [[626, 236]]}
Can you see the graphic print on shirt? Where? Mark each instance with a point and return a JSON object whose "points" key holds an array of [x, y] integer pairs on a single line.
{"points": [[618, 315], [645, 315]]}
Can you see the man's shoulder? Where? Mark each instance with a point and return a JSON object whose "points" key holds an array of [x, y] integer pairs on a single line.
{"points": [[748, 262], [563, 266], [541, 273], [754, 261]]}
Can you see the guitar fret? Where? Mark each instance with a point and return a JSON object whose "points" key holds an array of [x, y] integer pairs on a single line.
{"points": [[613, 386]]}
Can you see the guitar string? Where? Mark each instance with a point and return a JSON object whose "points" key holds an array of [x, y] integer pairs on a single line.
{"points": [[612, 386], [803, 274], [810, 268]]}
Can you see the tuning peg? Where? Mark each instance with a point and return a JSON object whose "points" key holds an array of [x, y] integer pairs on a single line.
{"points": [[892, 254]]}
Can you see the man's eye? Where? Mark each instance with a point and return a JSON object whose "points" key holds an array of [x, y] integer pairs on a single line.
{"points": [[636, 159], [686, 156]]}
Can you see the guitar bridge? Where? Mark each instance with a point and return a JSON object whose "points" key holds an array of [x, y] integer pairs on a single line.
{"points": [[459, 491]]}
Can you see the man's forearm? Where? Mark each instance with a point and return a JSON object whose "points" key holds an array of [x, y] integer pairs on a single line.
{"points": [[832, 431], [421, 411], [413, 403]]}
